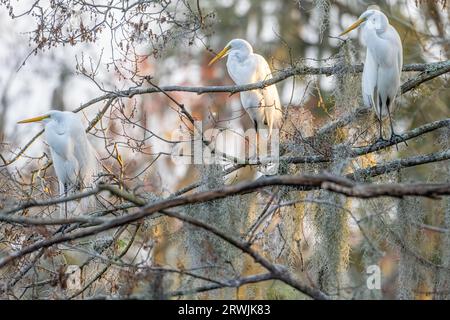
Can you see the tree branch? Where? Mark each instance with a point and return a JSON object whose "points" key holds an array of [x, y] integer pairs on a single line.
{"points": [[354, 153], [277, 272], [397, 164], [430, 71], [234, 283], [302, 182]]}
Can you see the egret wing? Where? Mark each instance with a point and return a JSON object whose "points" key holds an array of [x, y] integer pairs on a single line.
{"points": [[369, 81], [272, 104], [83, 151]]}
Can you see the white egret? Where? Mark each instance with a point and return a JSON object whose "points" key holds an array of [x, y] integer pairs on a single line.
{"points": [[74, 158], [245, 67], [383, 65]]}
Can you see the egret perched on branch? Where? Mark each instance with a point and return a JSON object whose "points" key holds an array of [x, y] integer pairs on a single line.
{"points": [[245, 67], [383, 66], [74, 158]]}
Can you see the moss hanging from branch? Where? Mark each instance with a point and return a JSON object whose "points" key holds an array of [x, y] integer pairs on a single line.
{"points": [[408, 212], [442, 285], [322, 8], [205, 250], [331, 251]]}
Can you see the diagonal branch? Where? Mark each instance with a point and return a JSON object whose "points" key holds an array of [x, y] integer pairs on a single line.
{"points": [[349, 179], [277, 272], [354, 152], [429, 71], [301, 182], [234, 283], [397, 164]]}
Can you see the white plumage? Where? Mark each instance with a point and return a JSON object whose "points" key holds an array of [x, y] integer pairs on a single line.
{"points": [[383, 64], [74, 158], [245, 67]]}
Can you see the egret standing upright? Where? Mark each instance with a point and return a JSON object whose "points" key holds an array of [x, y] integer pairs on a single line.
{"points": [[245, 67], [383, 65], [73, 156]]}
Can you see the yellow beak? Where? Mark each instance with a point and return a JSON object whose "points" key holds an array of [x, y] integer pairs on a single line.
{"points": [[36, 119], [353, 26], [220, 55]]}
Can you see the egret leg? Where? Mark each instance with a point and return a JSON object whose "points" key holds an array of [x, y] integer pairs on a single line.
{"points": [[380, 121], [380, 139], [394, 137], [65, 203], [64, 227], [380, 131], [256, 140]]}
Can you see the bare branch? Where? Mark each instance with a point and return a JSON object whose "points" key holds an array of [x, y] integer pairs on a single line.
{"points": [[234, 283], [302, 182], [434, 70]]}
